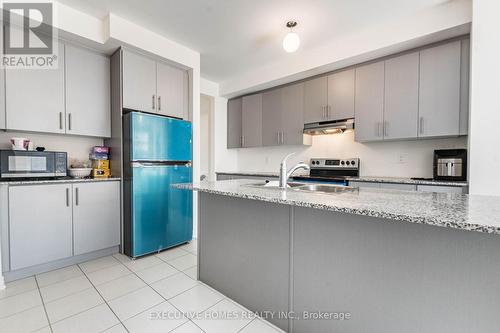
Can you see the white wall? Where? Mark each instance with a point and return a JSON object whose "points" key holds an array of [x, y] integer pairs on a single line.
{"points": [[223, 158], [78, 148], [485, 104], [389, 159]]}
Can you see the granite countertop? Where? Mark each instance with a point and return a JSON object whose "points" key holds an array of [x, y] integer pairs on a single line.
{"points": [[452, 210], [369, 179], [56, 181]]}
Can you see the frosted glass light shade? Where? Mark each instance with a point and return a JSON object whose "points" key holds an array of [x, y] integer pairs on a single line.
{"points": [[291, 42]]}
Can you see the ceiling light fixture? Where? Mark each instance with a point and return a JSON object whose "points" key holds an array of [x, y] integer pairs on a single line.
{"points": [[291, 42]]}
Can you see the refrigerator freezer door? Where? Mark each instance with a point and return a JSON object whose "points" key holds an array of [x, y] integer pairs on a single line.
{"points": [[157, 138], [161, 215]]}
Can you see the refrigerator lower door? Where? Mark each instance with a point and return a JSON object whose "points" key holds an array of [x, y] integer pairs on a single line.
{"points": [[161, 216]]}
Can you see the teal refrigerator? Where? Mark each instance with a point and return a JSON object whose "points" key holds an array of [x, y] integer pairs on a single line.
{"points": [[157, 153]]}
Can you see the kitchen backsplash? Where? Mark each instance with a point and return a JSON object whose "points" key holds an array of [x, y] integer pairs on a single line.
{"points": [[393, 159], [77, 147]]}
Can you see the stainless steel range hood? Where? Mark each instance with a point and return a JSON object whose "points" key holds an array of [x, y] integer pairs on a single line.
{"points": [[329, 127]]}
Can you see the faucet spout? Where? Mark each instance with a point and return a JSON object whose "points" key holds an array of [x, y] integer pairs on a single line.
{"points": [[285, 173]]}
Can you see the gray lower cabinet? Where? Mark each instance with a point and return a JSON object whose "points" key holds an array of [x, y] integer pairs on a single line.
{"points": [[96, 216], [401, 97], [369, 100], [255, 272], [442, 189], [172, 91], [40, 224], [88, 105], [50, 222], [364, 184], [401, 187], [439, 98], [315, 99], [35, 98], [234, 124], [139, 82], [341, 95], [251, 119]]}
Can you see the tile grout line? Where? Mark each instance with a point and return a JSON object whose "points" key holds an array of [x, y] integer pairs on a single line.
{"points": [[43, 304], [105, 302]]}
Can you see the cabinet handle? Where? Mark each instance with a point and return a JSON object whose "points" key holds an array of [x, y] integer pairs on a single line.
{"points": [[282, 138], [159, 103], [67, 197], [379, 129], [76, 196], [386, 128], [60, 120], [328, 109], [69, 121], [278, 135], [421, 125], [242, 140], [153, 104]]}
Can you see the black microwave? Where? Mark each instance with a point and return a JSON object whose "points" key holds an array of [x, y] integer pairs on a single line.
{"points": [[32, 164]]}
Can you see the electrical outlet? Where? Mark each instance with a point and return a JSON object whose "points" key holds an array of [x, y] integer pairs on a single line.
{"points": [[402, 158]]}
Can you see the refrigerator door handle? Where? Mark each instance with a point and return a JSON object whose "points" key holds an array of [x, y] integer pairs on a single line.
{"points": [[159, 165]]}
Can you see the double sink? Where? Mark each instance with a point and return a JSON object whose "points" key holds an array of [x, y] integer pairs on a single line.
{"points": [[304, 187]]}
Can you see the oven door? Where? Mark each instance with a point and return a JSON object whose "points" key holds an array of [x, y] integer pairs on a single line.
{"points": [[21, 164]]}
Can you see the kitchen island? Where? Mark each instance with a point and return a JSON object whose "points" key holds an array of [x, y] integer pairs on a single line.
{"points": [[359, 260]]}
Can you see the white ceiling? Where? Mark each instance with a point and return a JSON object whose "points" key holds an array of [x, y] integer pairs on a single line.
{"points": [[234, 36]]}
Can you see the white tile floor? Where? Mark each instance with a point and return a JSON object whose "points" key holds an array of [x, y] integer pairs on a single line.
{"points": [[114, 294]]}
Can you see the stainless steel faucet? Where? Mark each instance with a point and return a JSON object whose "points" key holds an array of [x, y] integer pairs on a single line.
{"points": [[285, 174]]}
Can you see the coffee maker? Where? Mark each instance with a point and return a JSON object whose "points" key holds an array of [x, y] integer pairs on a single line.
{"points": [[450, 164]]}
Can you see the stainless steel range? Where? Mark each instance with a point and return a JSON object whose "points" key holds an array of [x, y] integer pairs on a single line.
{"points": [[331, 170]]}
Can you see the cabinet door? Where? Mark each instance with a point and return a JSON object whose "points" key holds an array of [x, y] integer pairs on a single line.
{"points": [[87, 93], [363, 184], [341, 95], [272, 122], [315, 100], [401, 97], [401, 187], [172, 91], [369, 102], [251, 115], [96, 216], [35, 98], [441, 189], [40, 224], [439, 99], [139, 82], [234, 123], [293, 114]]}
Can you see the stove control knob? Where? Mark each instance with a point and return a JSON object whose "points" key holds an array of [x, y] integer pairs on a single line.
{"points": [[347, 162], [342, 162], [353, 162]]}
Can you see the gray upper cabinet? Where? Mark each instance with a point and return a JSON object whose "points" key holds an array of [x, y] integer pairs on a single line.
{"points": [[87, 93], [40, 232], [172, 84], [401, 97], [251, 117], [315, 100], [341, 95], [283, 116], [439, 99], [369, 94], [464, 87], [96, 216], [272, 117], [139, 82], [293, 115], [234, 134], [35, 98]]}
